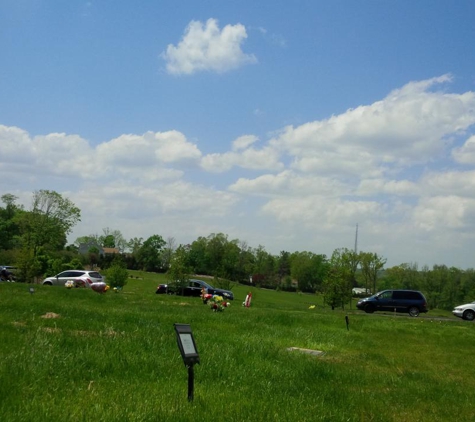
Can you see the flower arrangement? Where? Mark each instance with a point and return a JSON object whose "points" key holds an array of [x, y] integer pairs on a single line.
{"points": [[205, 296], [100, 287], [69, 284], [217, 303]]}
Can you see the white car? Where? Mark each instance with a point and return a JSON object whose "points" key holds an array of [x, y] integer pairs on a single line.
{"points": [[466, 311], [80, 278]]}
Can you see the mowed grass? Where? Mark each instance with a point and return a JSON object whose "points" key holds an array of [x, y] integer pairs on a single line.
{"points": [[114, 357]]}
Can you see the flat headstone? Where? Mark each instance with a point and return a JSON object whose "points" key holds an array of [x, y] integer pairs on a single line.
{"points": [[307, 351]]}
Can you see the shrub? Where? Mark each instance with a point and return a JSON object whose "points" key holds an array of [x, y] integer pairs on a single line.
{"points": [[117, 274]]}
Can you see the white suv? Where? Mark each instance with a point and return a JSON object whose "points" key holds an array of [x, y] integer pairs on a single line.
{"points": [[466, 311], [80, 277]]}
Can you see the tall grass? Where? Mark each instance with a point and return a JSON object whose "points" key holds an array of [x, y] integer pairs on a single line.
{"points": [[114, 357]]}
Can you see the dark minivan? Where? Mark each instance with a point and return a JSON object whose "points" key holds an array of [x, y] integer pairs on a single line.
{"points": [[409, 301]]}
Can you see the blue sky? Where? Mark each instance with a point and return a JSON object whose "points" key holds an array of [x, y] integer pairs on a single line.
{"points": [[282, 125]]}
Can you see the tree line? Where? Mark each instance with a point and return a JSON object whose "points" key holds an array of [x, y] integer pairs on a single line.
{"points": [[35, 241]]}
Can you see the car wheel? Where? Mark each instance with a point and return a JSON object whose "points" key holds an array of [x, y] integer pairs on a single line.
{"points": [[369, 309], [469, 315], [414, 311], [48, 283]]}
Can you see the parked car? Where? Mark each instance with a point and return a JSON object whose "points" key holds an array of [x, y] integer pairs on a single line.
{"points": [[193, 288], [466, 311], [412, 302], [360, 292], [80, 278]]}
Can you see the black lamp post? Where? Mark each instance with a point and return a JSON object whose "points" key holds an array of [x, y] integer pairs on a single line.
{"points": [[189, 353]]}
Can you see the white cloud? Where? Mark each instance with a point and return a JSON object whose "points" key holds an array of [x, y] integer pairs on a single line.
{"points": [[244, 142], [466, 153], [266, 158], [15, 145], [207, 48], [411, 125], [322, 212], [289, 184], [388, 187], [149, 149], [460, 183], [445, 212], [148, 157]]}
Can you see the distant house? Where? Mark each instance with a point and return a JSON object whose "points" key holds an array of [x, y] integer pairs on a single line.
{"points": [[110, 251]]}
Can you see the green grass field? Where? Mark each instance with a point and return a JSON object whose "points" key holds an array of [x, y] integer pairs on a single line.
{"points": [[114, 357]]}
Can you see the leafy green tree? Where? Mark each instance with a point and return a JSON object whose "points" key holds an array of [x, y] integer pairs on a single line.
{"points": [[371, 264], [245, 263], [179, 271], [9, 227], [149, 255], [335, 287], [340, 277], [44, 230], [134, 245], [197, 256], [108, 241], [309, 270], [403, 276], [49, 222], [264, 271], [283, 266], [167, 252], [229, 268], [113, 239], [215, 250]]}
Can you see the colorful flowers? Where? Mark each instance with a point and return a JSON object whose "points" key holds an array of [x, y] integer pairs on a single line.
{"points": [[217, 303]]}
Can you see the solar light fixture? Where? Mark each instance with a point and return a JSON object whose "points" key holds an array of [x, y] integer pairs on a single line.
{"points": [[189, 353]]}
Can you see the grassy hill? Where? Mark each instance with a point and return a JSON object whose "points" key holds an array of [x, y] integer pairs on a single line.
{"points": [[79, 355]]}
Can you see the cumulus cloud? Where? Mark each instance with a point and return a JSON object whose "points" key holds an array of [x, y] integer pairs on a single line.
{"points": [[204, 47], [244, 142], [323, 212], [410, 126], [442, 212], [157, 199], [148, 157], [162, 147], [466, 153], [15, 145], [290, 184], [266, 158], [368, 187], [460, 183]]}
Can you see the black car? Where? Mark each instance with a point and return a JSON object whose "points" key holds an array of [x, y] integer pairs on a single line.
{"points": [[412, 302], [194, 287]]}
